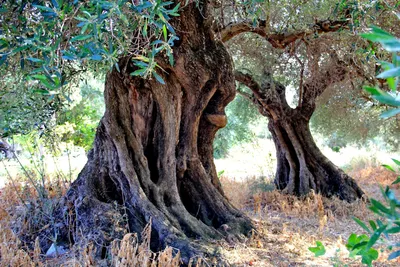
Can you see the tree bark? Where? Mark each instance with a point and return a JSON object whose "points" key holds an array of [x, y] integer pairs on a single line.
{"points": [[153, 157], [301, 166]]}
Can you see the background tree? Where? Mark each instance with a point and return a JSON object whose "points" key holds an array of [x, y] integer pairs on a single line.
{"points": [[301, 165]]}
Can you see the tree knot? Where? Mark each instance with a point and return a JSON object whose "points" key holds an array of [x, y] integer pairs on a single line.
{"points": [[218, 120]]}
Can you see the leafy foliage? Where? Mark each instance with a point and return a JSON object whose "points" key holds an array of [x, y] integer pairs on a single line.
{"points": [[359, 246], [391, 71], [46, 46], [48, 37], [78, 124], [21, 109]]}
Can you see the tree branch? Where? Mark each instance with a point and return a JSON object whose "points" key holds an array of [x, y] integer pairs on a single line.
{"points": [[246, 95], [233, 29], [248, 80], [312, 88], [279, 40], [301, 81]]}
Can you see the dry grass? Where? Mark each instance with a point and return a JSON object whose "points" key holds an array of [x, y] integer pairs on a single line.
{"points": [[288, 225], [23, 213], [123, 250], [285, 227]]}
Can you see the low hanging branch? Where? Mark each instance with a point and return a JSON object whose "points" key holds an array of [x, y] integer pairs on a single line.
{"points": [[279, 40]]}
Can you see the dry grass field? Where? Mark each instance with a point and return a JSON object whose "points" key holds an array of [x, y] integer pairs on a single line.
{"points": [[285, 225]]}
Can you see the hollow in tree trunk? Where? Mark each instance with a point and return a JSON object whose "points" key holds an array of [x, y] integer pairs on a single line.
{"points": [[301, 166], [153, 155]]}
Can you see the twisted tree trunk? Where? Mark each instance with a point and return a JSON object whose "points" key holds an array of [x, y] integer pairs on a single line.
{"points": [[153, 155], [301, 166]]}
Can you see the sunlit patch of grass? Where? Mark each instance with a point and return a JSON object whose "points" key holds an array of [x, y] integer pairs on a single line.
{"points": [[287, 225]]}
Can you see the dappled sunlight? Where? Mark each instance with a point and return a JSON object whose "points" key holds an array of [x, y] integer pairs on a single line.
{"points": [[257, 158]]}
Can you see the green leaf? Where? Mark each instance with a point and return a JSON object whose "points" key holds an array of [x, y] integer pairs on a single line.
{"points": [[397, 180], [392, 82], [41, 77], [158, 77], [44, 8], [374, 237], [393, 230], [368, 257], [84, 28], [396, 161], [165, 32], [359, 246], [145, 29], [390, 113], [372, 90], [392, 46], [352, 240], [378, 30], [318, 250], [373, 225], [390, 73], [362, 224], [170, 57], [394, 255], [138, 72], [80, 38], [388, 167], [382, 96], [96, 57], [379, 206], [36, 60]]}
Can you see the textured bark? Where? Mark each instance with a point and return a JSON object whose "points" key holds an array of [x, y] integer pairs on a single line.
{"points": [[153, 155], [301, 167]]}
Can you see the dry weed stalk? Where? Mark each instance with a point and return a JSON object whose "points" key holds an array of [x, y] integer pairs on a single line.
{"points": [[88, 256], [10, 252], [129, 252], [314, 205], [257, 203]]}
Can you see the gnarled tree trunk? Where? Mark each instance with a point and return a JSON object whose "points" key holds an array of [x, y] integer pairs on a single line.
{"points": [[301, 166], [153, 156]]}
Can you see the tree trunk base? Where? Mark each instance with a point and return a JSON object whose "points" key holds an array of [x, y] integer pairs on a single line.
{"points": [[302, 167], [85, 219]]}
